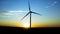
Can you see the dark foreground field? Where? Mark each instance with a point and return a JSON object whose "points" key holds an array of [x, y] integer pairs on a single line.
{"points": [[34, 30]]}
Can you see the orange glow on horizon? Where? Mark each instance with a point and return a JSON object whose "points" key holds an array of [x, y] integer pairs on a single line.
{"points": [[27, 25]]}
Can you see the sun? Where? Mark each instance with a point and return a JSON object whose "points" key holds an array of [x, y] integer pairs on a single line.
{"points": [[26, 25]]}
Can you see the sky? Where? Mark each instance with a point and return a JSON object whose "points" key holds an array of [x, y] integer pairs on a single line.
{"points": [[11, 12]]}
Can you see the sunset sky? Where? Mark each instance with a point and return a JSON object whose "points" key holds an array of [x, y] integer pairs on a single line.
{"points": [[11, 12]]}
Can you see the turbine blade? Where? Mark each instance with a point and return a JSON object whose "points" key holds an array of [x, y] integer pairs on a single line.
{"points": [[29, 5], [25, 15], [36, 13]]}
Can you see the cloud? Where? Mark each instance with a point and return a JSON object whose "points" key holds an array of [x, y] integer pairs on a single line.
{"points": [[11, 13], [47, 6], [8, 14], [52, 4], [1, 12], [19, 11], [55, 2]]}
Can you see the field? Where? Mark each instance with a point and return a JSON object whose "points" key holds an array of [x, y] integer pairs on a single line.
{"points": [[32, 30]]}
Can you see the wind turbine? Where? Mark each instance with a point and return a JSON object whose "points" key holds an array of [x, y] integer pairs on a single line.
{"points": [[30, 12]]}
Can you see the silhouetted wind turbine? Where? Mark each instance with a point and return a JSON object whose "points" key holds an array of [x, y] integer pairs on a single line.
{"points": [[30, 12]]}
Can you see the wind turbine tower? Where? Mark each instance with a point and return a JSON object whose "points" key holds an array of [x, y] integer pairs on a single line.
{"points": [[30, 13]]}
